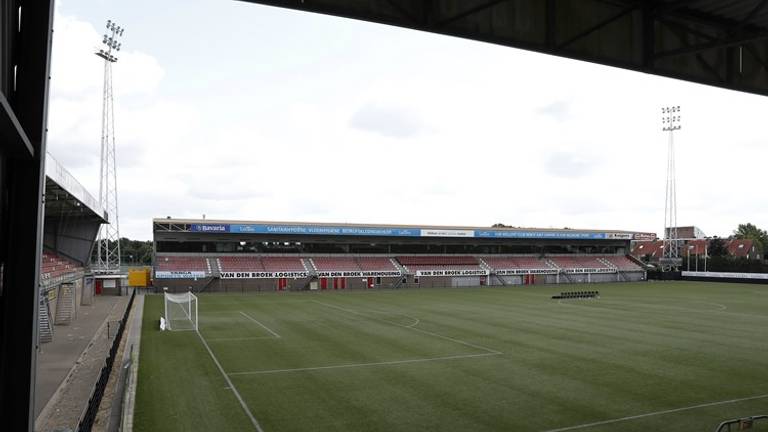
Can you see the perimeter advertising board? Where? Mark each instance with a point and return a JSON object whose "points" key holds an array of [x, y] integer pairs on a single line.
{"points": [[466, 272], [264, 275], [179, 275]]}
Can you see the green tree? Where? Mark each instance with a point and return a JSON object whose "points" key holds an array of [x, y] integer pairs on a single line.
{"points": [[752, 232], [135, 251], [717, 248]]}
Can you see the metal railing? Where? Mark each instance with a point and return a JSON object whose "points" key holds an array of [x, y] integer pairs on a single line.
{"points": [[88, 416]]}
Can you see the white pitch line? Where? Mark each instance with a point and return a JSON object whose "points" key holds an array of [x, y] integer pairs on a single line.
{"points": [[232, 386], [239, 338], [356, 365], [415, 323], [265, 327], [459, 341], [720, 306], [634, 417]]}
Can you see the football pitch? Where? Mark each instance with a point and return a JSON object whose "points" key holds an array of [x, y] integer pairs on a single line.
{"points": [[655, 356]]}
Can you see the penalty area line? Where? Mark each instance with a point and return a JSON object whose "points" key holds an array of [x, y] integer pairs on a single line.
{"points": [[232, 386], [651, 414], [356, 365], [262, 325]]}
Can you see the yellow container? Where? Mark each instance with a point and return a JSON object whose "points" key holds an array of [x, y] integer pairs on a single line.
{"points": [[138, 277]]}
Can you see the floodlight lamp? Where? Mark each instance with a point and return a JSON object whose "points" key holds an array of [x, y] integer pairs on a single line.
{"points": [[121, 31], [109, 22], [104, 40]]}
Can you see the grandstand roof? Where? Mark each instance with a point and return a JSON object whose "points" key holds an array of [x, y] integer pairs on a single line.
{"points": [[413, 230], [722, 43], [65, 196]]}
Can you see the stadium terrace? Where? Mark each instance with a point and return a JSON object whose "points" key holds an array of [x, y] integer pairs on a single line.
{"points": [[221, 255]]}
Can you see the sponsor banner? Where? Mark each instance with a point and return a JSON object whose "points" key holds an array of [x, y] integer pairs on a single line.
{"points": [[452, 272], [446, 233], [264, 275], [619, 236], [725, 275], [589, 270], [512, 272], [179, 274], [645, 236], [557, 235], [403, 232], [323, 230], [346, 274], [210, 228]]}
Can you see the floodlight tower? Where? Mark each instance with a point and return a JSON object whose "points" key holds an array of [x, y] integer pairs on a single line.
{"points": [[670, 120], [107, 251]]}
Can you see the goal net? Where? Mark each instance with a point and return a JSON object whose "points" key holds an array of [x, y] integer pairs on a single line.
{"points": [[181, 311]]}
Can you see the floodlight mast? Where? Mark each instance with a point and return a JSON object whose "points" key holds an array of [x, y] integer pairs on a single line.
{"points": [[670, 121], [106, 259]]}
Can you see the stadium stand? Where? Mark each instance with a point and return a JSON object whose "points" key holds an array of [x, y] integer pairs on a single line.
{"points": [[320, 256], [432, 262], [240, 263], [578, 262], [437, 260], [335, 263], [375, 264], [183, 263], [280, 264], [53, 266], [508, 263], [622, 263]]}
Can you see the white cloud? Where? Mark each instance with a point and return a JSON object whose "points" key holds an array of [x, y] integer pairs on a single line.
{"points": [[389, 121], [353, 122]]}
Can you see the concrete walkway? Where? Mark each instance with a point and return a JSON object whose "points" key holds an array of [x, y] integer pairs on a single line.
{"points": [[69, 366]]}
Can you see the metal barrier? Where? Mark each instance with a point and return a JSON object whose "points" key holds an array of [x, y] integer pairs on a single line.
{"points": [[89, 414], [739, 424]]}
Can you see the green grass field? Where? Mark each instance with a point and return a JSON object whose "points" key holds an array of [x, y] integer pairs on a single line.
{"points": [[645, 357]]}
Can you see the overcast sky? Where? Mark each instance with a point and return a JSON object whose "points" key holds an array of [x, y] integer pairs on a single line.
{"points": [[240, 111]]}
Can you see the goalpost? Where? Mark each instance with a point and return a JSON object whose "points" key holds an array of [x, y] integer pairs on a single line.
{"points": [[181, 311]]}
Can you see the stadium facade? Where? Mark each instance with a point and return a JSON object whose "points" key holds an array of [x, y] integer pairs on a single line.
{"points": [[244, 256]]}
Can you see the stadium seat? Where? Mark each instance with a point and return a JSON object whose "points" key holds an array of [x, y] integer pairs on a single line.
{"points": [[278, 264], [335, 264], [577, 262], [53, 265], [431, 262], [622, 263], [238, 263], [182, 263], [375, 264], [511, 263]]}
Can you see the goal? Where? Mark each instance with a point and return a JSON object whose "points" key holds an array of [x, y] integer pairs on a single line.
{"points": [[181, 311]]}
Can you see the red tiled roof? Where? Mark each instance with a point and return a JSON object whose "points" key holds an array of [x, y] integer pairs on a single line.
{"points": [[740, 248], [654, 248]]}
